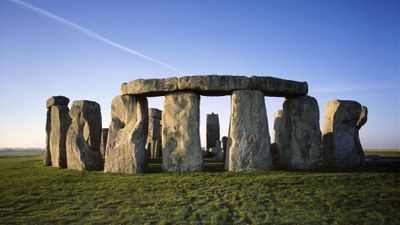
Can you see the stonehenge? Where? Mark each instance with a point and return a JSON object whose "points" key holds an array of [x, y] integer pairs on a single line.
{"points": [[181, 150], [212, 130], [249, 148], [341, 145], [297, 133], [84, 135], [75, 138], [57, 124], [127, 135]]}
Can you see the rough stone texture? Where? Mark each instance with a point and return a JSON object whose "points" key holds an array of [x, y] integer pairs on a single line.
{"points": [[127, 135], [84, 135], [212, 130], [298, 134], [154, 133], [213, 85], [57, 100], [47, 154], [103, 142], [272, 86], [60, 122], [277, 156], [150, 87], [249, 147], [224, 141], [341, 145], [181, 148]]}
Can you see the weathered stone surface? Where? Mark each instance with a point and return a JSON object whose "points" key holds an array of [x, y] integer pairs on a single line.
{"points": [[212, 130], [84, 135], [272, 86], [276, 153], [341, 145], [249, 147], [154, 133], [127, 135], [213, 85], [181, 148], [298, 134], [224, 141], [150, 87], [103, 142], [57, 100], [60, 122], [47, 153]]}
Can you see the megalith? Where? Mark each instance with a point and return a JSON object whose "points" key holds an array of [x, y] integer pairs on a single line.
{"points": [[127, 135], [341, 145], [249, 140], [298, 134], [212, 130], [277, 156], [181, 150], [154, 133], [103, 142], [57, 124], [84, 136]]}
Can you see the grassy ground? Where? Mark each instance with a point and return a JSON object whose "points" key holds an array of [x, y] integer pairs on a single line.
{"points": [[33, 194]]}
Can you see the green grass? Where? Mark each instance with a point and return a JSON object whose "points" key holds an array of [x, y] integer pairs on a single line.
{"points": [[383, 152], [33, 194]]}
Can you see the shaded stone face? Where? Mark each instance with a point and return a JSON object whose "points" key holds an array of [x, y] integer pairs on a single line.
{"points": [[47, 153], [103, 142], [212, 130], [126, 152], [181, 148], [341, 144], [60, 122], [249, 145], [272, 86], [84, 135], [154, 133], [297, 133]]}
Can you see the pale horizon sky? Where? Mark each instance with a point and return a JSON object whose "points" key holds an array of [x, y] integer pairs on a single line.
{"points": [[346, 50]]}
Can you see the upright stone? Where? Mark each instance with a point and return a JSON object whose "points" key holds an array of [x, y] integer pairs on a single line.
{"points": [[341, 145], [154, 132], [224, 141], [60, 122], [249, 147], [298, 135], [180, 133], [279, 137], [47, 154], [212, 130], [103, 143], [84, 135], [126, 152]]}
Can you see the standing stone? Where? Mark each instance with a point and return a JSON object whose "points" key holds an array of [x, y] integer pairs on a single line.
{"points": [[103, 143], [84, 135], [127, 135], [47, 154], [154, 133], [212, 130], [224, 141], [57, 124], [279, 133], [341, 145], [249, 147], [298, 134], [60, 122], [180, 132]]}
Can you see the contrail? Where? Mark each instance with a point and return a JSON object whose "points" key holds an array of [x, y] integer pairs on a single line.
{"points": [[94, 35]]}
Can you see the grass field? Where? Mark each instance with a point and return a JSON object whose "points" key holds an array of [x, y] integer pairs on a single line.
{"points": [[33, 194]]}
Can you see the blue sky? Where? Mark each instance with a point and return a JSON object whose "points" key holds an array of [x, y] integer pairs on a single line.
{"points": [[343, 49]]}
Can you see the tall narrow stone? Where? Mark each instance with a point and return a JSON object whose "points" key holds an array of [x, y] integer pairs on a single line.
{"points": [[298, 134], [249, 147], [60, 122], [47, 153], [341, 145], [103, 142], [126, 152], [279, 136], [84, 135], [180, 132], [154, 133], [212, 130]]}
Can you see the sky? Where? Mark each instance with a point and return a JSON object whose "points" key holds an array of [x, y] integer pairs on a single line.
{"points": [[344, 49]]}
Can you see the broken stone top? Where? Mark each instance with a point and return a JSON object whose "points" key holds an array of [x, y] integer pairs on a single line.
{"points": [[57, 100], [155, 113], [215, 85]]}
